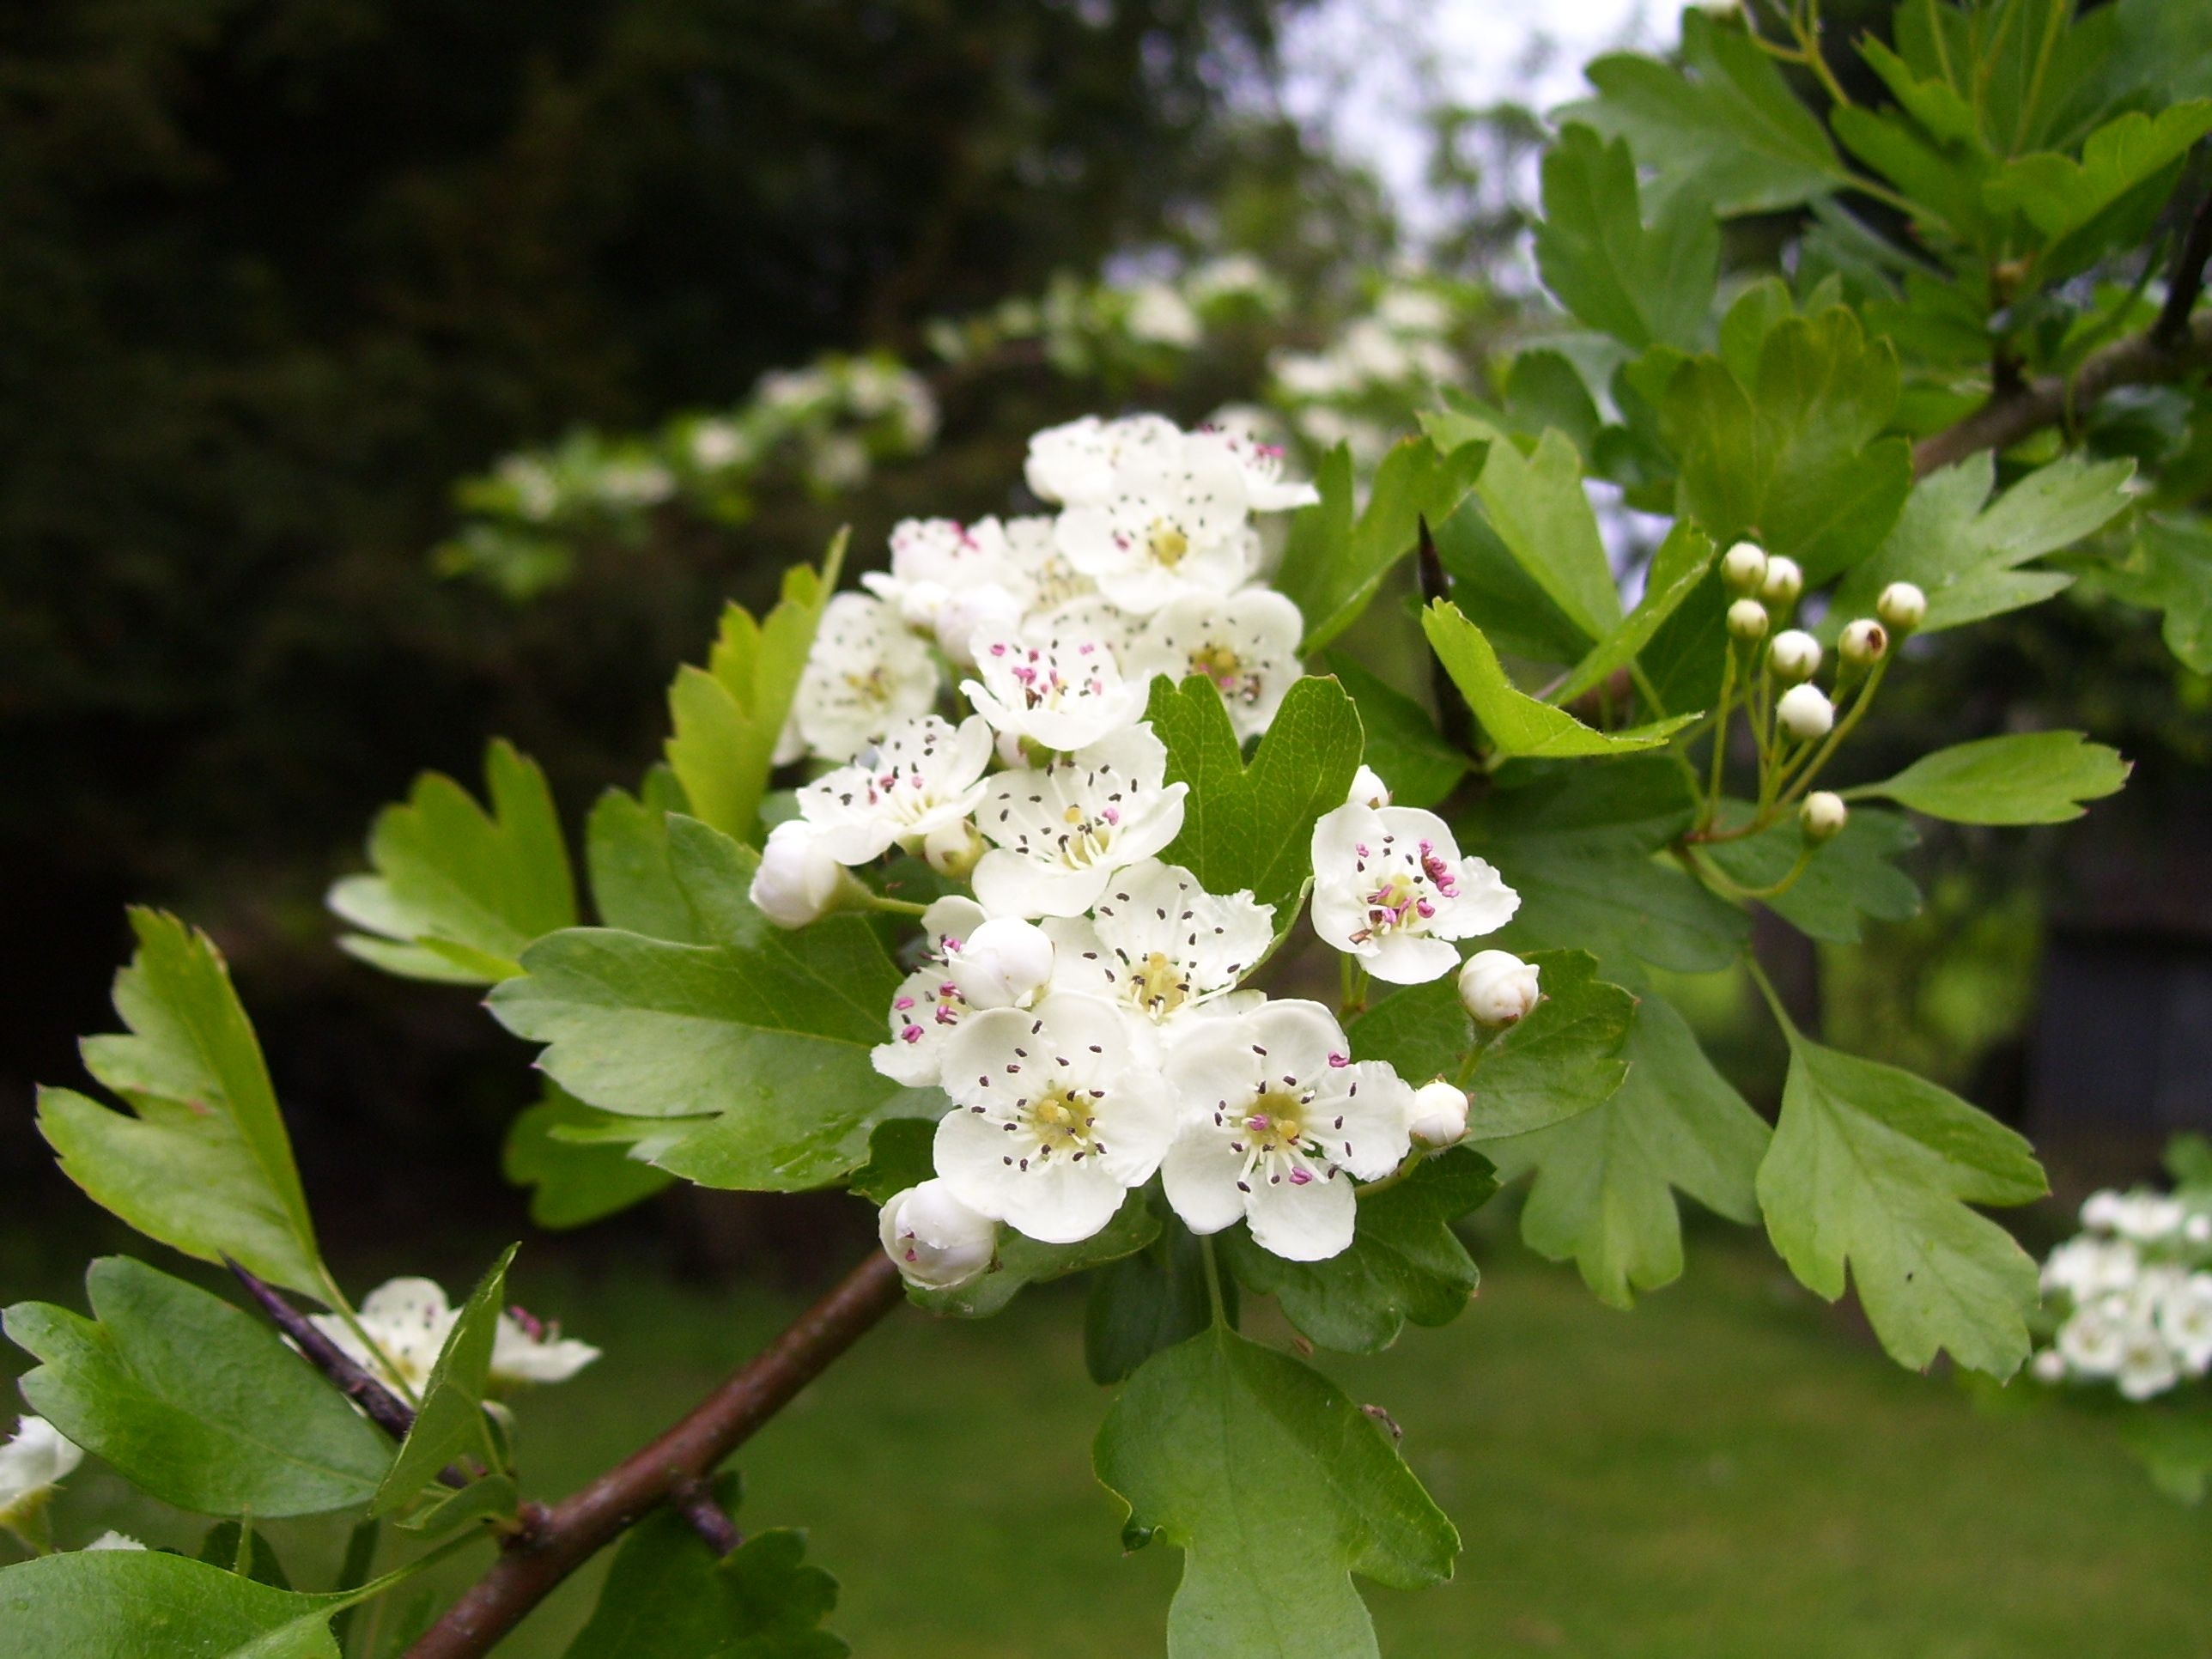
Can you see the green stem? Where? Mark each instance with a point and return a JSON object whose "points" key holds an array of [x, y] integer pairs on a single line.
{"points": [[1352, 986], [353, 1572], [1773, 998], [1720, 739], [1212, 1278], [894, 905], [1843, 728], [345, 1309]]}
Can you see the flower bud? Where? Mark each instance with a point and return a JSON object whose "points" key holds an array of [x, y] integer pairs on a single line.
{"points": [[1903, 607], [1368, 789], [798, 881], [1743, 567], [953, 849], [1497, 987], [1000, 964], [966, 612], [1439, 1117], [1794, 656], [1864, 642], [2050, 1366], [1805, 713], [1823, 816], [937, 1241], [1784, 582], [1748, 620], [33, 1462]]}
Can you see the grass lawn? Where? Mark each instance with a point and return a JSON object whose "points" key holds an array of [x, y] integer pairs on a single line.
{"points": [[1726, 1471]]}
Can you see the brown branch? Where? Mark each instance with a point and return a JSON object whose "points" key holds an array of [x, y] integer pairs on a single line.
{"points": [[2005, 420], [2186, 281], [532, 1564], [695, 1502], [377, 1403]]}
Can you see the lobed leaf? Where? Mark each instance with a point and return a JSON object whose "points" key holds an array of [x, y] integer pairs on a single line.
{"points": [[451, 1422], [574, 1180], [2025, 777], [1147, 1302], [1677, 569], [1850, 878], [1642, 284], [1516, 723]]}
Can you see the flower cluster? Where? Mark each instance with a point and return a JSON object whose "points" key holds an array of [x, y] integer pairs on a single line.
{"points": [[2133, 1292], [409, 1320], [1085, 1012]]}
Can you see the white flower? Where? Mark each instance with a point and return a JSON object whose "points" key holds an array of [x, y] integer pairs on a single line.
{"points": [[1062, 831], [2148, 1217], [1160, 316], [2146, 1365], [2049, 1366], [1368, 789], [1391, 888], [2093, 1340], [34, 1461], [1174, 520], [985, 608], [1266, 490], [1049, 581], [1061, 690], [2086, 1268], [938, 1241], [924, 775], [1002, 963], [1161, 946], [1497, 987], [1805, 713], [1246, 643], [2184, 1319], [1073, 465], [1439, 1114], [1277, 1115], [112, 1540], [797, 882], [1414, 311], [410, 1319], [932, 559], [865, 675], [953, 849], [2100, 1209], [716, 444], [928, 1003], [1060, 1115], [1226, 275]]}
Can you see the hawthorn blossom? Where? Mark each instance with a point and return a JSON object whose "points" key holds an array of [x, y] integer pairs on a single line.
{"points": [[1497, 987], [935, 560], [1062, 830], [924, 775], [112, 1540], [797, 882], [1174, 521], [2184, 1319], [1246, 643], [937, 1241], [865, 675], [1050, 582], [1266, 490], [409, 1320], [928, 1003], [1061, 690], [34, 1461], [1279, 1121], [1073, 465], [1161, 946], [1391, 888], [1060, 1113]]}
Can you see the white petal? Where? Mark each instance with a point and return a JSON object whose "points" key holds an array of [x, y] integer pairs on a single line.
{"points": [[1308, 1223], [1409, 958], [1200, 1173]]}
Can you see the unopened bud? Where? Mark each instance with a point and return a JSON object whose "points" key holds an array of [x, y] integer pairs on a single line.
{"points": [[1368, 789], [1805, 713], [1823, 816], [1748, 620], [1864, 642], [953, 849], [937, 1241], [1497, 987], [1794, 656], [1439, 1114], [1743, 567], [798, 882], [1784, 582], [1903, 607], [1002, 963]]}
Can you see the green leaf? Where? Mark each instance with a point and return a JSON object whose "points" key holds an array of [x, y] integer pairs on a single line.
{"points": [[1639, 285], [1252, 827], [754, 1049], [2170, 569], [1875, 1167], [458, 893], [1676, 569], [1518, 724], [204, 1165], [2026, 777], [1403, 745], [901, 1153], [1333, 565], [633, 886], [2083, 209], [1580, 845], [1967, 556], [1022, 1262], [149, 1604], [574, 1182], [1404, 1262], [1537, 510], [220, 1548], [669, 1596], [729, 715], [451, 1422], [1793, 459], [489, 1500], [1848, 878], [1603, 1194], [1723, 127], [193, 1400], [1148, 1302], [1277, 1489]]}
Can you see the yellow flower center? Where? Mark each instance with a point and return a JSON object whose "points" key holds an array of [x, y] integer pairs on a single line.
{"points": [[1167, 543], [1158, 985], [1273, 1123]]}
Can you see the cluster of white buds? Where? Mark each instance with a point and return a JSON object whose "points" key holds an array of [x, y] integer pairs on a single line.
{"points": [[2133, 1292], [1766, 589]]}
